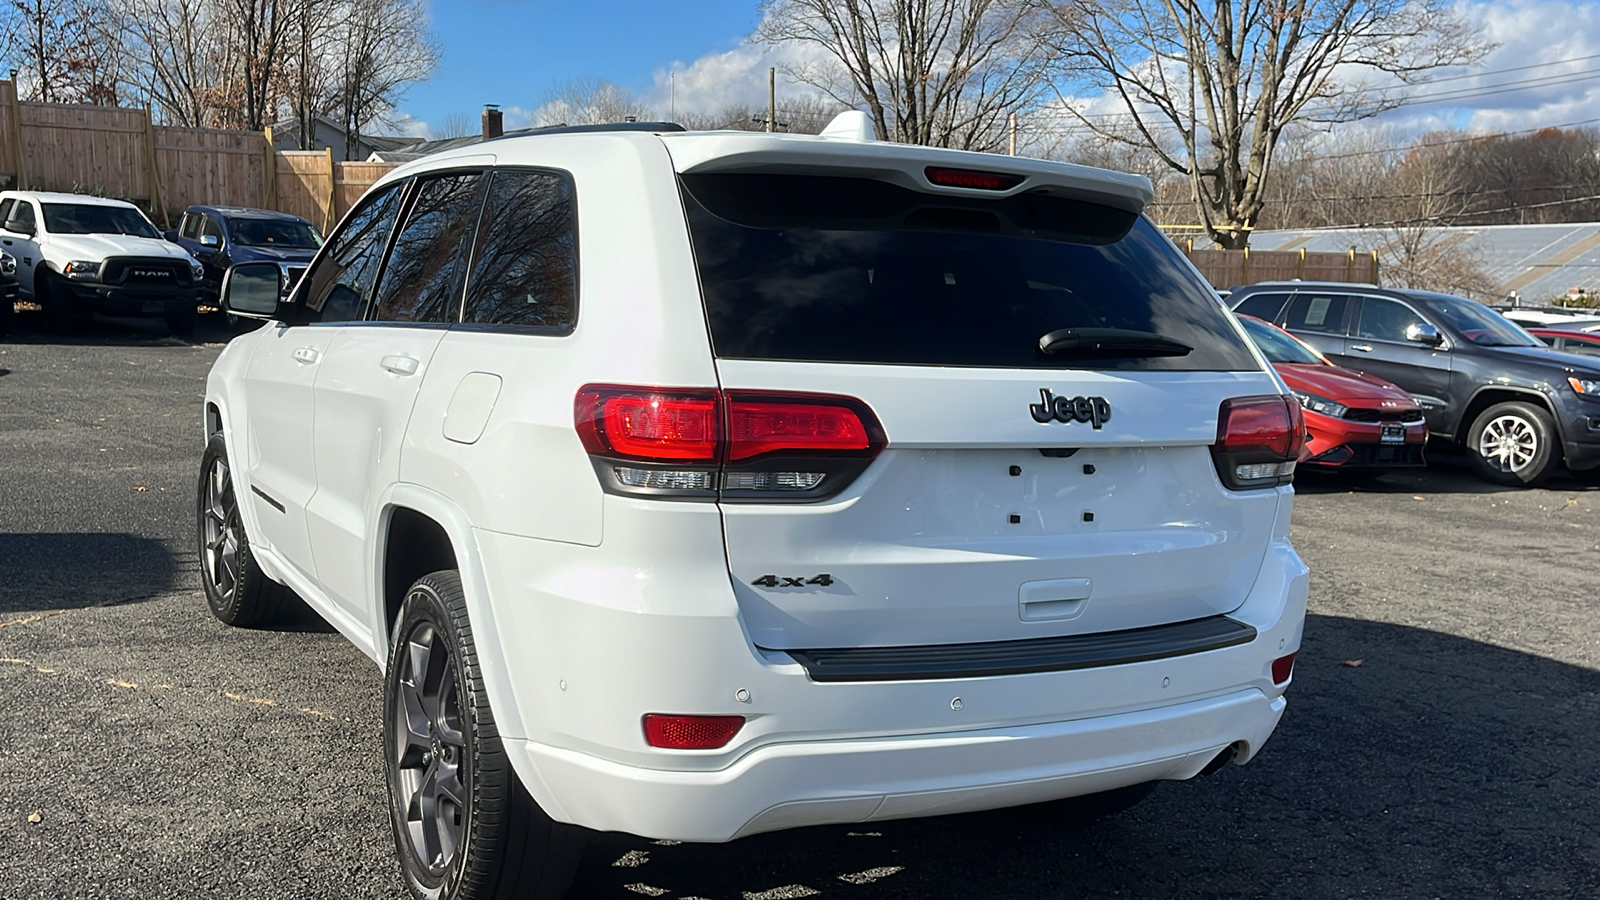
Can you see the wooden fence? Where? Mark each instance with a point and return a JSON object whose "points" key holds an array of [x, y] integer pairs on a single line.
{"points": [[117, 152], [1227, 268]]}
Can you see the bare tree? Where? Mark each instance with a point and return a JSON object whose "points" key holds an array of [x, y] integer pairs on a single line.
{"points": [[938, 72], [454, 125], [259, 31], [60, 50], [382, 46], [182, 50], [1211, 85], [589, 101]]}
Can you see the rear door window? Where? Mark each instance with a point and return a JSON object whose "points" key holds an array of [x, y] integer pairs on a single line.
{"points": [[1319, 312], [1386, 320], [525, 269], [1263, 306], [832, 269], [420, 280]]}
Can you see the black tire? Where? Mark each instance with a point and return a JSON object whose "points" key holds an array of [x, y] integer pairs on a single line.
{"points": [[1513, 443], [183, 321], [236, 589], [8, 312], [490, 839], [1079, 812], [60, 313]]}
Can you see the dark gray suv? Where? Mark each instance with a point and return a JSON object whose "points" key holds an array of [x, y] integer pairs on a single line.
{"points": [[1516, 406]]}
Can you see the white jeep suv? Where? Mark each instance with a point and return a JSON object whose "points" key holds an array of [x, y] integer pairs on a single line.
{"points": [[78, 255], [697, 485]]}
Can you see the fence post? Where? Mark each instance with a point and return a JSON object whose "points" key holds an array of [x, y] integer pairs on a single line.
{"points": [[1244, 267], [1300, 267], [1350, 266], [333, 192], [1375, 267], [16, 133], [153, 169], [269, 176]]}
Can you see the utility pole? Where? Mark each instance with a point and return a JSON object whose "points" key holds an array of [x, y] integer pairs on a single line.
{"points": [[1013, 134], [772, 98]]}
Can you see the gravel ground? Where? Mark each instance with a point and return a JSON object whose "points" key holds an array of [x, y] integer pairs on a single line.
{"points": [[1440, 740]]}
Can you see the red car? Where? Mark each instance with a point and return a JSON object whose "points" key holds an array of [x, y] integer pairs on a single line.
{"points": [[1353, 420]]}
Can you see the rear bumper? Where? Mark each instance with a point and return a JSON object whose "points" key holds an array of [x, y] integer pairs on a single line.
{"points": [[812, 783], [591, 646]]}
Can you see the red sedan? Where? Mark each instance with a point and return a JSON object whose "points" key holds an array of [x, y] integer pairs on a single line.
{"points": [[1353, 420], [1583, 343]]}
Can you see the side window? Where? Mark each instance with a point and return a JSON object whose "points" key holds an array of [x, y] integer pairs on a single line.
{"points": [[5, 210], [525, 267], [1318, 312], [24, 214], [1262, 306], [209, 226], [421, 279], [338, 286], [1385, 320], [190, 226]]}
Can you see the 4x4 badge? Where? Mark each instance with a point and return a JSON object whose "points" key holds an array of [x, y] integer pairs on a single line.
{"points": [[1094, 410]]}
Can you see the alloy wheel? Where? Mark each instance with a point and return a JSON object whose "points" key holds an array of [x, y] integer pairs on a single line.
{"points": [[1508, 443], [430, 750], [221, 533]]}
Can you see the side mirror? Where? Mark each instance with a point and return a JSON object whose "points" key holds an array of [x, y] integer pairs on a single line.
{"points": [[252, 290], [1424, 333], [17, 226], [171, 234], [210, 240]]}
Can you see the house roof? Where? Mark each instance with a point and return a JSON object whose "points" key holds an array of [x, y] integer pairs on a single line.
{"points": [[1536, 261]]}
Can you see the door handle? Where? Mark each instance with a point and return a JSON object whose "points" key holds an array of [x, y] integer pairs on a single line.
{"points": [[1364, 348], [400, 365], [305, 355]]}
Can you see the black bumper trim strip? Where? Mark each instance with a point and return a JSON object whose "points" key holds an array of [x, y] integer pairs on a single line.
{"points": [[1052, 654]]}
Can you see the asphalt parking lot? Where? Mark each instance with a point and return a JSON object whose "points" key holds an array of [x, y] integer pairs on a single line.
{"points": [[1442, 738]]}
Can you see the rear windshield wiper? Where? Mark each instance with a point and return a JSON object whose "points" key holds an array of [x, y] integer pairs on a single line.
{"points": [[1122, 342]]}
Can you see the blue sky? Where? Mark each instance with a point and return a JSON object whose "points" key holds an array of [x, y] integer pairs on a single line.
{"points": [[511, 51]]}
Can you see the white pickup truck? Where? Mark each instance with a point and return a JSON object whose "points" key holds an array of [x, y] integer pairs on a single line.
{"points": [[78, 255]]}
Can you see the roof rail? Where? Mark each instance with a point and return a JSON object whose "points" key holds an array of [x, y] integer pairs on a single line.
{"points": [[590, 129]]}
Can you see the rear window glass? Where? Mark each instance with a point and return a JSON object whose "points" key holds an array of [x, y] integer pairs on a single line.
{"points": [[811, 268]]}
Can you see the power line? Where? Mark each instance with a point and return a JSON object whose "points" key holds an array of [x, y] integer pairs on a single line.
{"points": [[1424, 220]]}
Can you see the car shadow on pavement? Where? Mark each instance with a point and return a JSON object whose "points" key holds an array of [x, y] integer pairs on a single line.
{"points": [[1446, 473], [1410, 763], [28, 328], [45, 571]]}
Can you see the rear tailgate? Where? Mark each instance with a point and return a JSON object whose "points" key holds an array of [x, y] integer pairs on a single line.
{"points": [[1022, 493], [939, 542]]}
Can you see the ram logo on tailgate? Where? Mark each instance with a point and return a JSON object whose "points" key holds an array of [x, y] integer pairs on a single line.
{"points": [[1094, 410]]}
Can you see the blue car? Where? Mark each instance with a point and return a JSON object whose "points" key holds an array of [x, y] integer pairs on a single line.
{"points": [[221, 236]]}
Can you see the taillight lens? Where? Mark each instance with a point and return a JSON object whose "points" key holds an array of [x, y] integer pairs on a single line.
{"points": [[647, 424], [733, 445], [1258, 441], [690, 732], [759, 425]]}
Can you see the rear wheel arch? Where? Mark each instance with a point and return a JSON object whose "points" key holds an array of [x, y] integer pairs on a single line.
{"points": [[414, 546]]}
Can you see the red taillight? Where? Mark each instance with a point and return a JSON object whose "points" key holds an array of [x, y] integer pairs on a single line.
{"points": [[768, 424], [1282, 668], [968, 178], [739, 445], [690, 732], [1258, 440], [641, 423]]}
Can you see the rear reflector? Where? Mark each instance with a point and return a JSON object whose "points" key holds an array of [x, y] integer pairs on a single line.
{"points": [[969, 178], [1282, 668], [690, 732]]}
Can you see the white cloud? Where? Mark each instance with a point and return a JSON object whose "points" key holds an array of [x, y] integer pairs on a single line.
{"points": [[736, 77]]}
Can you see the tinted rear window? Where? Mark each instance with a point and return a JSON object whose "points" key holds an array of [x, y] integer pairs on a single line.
{"points": [[811, 268]]}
